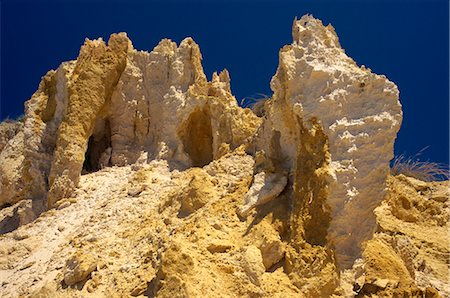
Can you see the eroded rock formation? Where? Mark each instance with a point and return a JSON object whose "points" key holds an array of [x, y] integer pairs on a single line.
{"points": [[143, 178], [324, 104], [113, 105]]}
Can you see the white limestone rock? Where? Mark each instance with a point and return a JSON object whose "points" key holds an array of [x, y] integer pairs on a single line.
{"points": [[157, 104], [164, 105], [360, 114], [8, 129], [265, 187]]}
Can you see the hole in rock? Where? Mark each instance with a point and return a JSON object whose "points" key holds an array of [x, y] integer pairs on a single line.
{"points": [[98, 153], [196, 135]]}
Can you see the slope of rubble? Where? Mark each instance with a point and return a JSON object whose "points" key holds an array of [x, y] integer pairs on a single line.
{"points": [[148, 231]]}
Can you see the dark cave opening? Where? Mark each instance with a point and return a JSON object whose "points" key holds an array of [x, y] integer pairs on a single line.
{"points": [[98, 152], [197, 137]]}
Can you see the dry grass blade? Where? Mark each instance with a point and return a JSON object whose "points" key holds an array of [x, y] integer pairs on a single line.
{"points": [[422, 170], [248, 102]]}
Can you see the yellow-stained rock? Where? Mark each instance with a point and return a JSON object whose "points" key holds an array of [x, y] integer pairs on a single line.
{"points": [[96, 73], [78, 267], [199, 191]]}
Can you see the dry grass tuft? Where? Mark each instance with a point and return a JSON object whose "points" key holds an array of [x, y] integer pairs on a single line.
{"points": [[249, 102], [256, 104], [422, 170]]}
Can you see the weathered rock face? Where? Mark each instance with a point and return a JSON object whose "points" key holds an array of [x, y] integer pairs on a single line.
{"points": [[133, 175], [8, 129], [12, 157], [164, 106], [321, 92], [96, 72], [44, 113], [115, 105]]}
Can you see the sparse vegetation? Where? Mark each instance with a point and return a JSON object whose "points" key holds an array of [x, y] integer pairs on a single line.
{"points": [[423, 170], [249, 102], [9, 119], [256, 104]]}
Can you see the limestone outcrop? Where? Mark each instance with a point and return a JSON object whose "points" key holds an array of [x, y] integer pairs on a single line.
{"points": [[265, 187], [8, 129], [96, 72], [114, 105], [132, 174], [323, 101], [12, 158]]}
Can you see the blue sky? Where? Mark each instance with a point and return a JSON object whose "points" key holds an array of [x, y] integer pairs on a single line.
{"points": [[408, 41]]}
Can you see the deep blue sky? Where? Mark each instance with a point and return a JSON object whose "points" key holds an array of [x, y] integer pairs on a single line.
{"points": [[408, 41]]}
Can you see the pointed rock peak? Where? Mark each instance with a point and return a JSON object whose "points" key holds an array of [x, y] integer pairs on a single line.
{"points": [[196, 59], [221, 80], [166, 46], [120, 41], [359, 114], [224, 76], [181, 65], [188, 42], [117, 43], [309, 30], [93, 42]]}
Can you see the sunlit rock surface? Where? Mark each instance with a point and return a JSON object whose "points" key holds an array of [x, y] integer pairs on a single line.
{"points": [[319, 90], [132, 174]]}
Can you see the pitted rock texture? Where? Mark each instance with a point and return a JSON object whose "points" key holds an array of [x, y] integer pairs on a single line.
{"points": [[8, 129], [114, 105], [359, 114], [131, 174]]}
